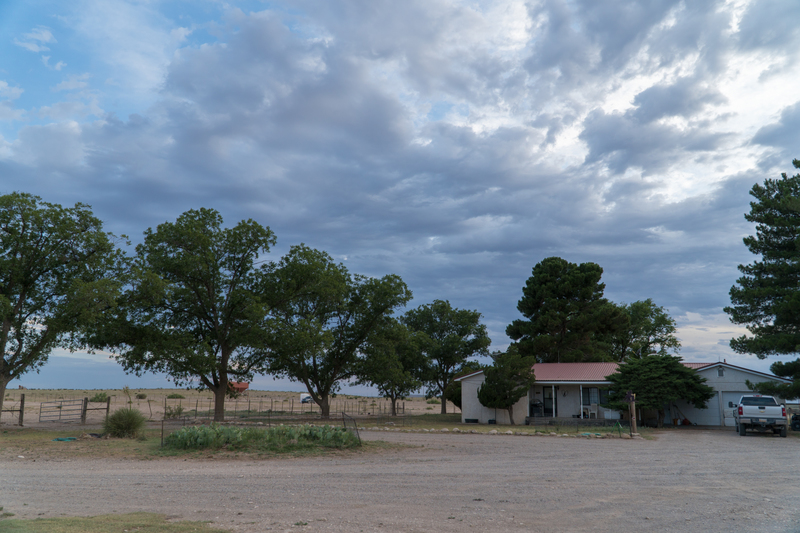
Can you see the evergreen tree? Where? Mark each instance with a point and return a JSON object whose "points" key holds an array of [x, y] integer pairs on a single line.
{"points": [[566, 317], [657, 380], [766, 298], [507, 380]]}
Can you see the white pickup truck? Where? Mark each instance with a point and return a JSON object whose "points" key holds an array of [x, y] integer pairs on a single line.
{"points": [[759, 413]]}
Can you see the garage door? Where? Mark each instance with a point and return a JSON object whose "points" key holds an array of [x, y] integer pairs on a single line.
{"points": [[727, 411]]}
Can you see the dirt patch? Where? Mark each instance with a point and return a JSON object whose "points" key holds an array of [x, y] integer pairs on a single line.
{"points": [[679, 481]]}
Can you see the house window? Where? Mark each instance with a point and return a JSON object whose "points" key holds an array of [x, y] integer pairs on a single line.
{"points": [[721, 372], [594, 395]]}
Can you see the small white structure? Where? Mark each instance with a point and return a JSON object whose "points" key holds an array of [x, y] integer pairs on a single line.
{"points": [[578, 390]]}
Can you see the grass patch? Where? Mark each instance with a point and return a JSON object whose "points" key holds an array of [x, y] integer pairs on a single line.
{"points": [[175, 396], [278, 439], [152, 523]]}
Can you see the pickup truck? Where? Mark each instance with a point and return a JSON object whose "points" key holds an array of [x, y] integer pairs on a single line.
{"points": [[759, 413]]}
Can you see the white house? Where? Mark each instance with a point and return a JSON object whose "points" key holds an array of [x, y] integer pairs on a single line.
{"points": [[575, 390]]}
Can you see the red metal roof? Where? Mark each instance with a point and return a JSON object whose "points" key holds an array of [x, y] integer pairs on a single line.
{"points": [[573, 371], [577, 372], [697, 365]]}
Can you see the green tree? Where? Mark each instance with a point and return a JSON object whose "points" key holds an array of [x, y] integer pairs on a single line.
{"points": [[657, 380], [449, 337], [650, 331], [453, 393], [318, 336], [789, 369], [195, 305], [58, 271], [507, 380], [566, 317], [390, 363], [766, 298]]}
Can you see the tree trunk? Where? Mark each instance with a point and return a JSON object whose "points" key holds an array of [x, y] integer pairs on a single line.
{"points": [[444, 405], [219, 403], [511, 414], [325, 406], [660, 418], [3, 385], [394, 406]]}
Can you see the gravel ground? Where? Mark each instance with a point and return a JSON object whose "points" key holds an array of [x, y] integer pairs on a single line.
{"points": [[685, 480]]}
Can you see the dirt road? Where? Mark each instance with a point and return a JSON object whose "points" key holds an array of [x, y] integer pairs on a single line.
{"points": [[690, 480]]}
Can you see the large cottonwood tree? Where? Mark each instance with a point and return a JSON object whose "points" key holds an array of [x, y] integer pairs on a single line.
{"points": [[195, 304], [58, 271], [447, 338], [319, 335]]}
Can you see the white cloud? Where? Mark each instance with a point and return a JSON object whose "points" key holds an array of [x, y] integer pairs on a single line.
{"points": [[36, 39], [57, 66], [73, 82]]}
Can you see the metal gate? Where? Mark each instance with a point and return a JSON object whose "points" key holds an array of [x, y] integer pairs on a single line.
{"points": [[61, 411]]}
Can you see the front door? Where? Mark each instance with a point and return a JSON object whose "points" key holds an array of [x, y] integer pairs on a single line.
{"points": [[549, 401]]}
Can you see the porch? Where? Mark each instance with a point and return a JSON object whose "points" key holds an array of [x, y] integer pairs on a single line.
{"points": [[569, 401]]}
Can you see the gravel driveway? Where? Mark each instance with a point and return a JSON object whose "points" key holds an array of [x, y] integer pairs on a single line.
{"points": [[684, 480]]}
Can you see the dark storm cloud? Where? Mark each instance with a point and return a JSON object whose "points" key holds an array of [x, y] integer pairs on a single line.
{"points": [[419, 138]]}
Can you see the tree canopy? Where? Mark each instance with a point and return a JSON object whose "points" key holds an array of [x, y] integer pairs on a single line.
{"points": [[567, 319], [449, 337], [650, 331], [195, 305], [657, 380], [391, 362], [507, 380], [319, 335], [766, 298], [58, 272]]}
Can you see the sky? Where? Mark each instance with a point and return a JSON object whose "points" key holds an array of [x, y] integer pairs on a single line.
{"points": [[454, 143]]}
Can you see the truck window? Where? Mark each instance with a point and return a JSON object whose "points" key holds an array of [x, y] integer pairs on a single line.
{"points": [[759, 401]]}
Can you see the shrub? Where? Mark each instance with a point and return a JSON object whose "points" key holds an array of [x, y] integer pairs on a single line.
{"points": [[173, 412], [101, 397], [282, 438], [176, 396], [127, 422], [434, 401], [141, 396]]}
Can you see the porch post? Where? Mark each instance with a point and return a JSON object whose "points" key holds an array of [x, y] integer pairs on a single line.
{"points": [[553, 390], [581, 400]]}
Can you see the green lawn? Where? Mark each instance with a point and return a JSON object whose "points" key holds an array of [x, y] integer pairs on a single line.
{"points": [[140, 522]]}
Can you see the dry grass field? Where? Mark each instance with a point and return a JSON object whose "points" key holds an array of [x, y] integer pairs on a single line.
{"points": [[199, 404]]}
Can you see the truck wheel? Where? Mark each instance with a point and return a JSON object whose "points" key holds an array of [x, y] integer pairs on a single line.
{"points": [[742, 430], [783, 431]]}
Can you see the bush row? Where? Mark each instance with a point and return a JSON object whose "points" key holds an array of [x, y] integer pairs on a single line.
{"points": [[282, 438]]}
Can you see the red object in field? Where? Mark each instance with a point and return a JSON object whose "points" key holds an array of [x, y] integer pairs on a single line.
{"points": [[686, 422], [238, 387]]}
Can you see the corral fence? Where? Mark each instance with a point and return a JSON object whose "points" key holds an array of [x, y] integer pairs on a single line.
{"points": [[20, 409], [68, 410], [266, 409]]}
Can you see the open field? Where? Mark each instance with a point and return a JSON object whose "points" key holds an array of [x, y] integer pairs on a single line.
{"points": [[200, 403], [680, 480]]}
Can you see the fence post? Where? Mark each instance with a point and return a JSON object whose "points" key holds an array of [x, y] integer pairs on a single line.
{"points": [[21, 408], [84, 408], [108, 407]]}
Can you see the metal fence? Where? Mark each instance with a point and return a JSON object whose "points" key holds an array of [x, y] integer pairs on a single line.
{"points": [[20, 409], [61, 411]]}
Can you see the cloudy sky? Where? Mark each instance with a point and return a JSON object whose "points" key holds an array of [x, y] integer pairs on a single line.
{"points": [[455, 143]]}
